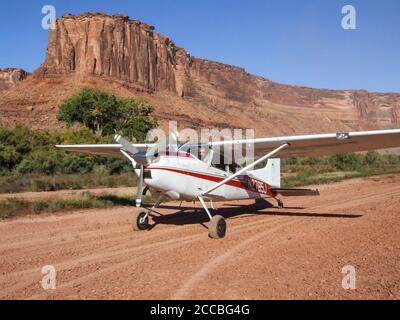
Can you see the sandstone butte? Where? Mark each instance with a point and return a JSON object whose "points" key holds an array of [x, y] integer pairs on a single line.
{"points": [[128, 58], [10, 76]]}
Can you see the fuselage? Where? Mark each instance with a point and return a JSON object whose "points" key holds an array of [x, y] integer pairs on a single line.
{"points": [[182, 176]]}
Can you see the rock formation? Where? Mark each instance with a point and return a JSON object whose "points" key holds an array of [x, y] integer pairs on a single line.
{"points": [[10, 76], [116, 47], [129, 58]]}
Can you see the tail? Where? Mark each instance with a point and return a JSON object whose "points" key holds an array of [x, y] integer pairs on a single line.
{"points": [[271, 174]]}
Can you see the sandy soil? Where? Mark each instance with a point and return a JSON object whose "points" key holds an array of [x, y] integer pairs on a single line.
{"points": [[295, 252]]}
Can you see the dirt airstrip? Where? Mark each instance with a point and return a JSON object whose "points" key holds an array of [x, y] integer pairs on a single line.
{"points": [[268, 253]]}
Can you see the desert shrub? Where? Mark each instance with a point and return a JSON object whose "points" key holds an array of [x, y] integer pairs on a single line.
{"points": [[12, 207], [372, 158], [36, 183], [347, 161], [39, 206], [391, 159], [84, 200]]}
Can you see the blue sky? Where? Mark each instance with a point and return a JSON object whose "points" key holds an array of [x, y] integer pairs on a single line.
{"points": [[288, 41]]}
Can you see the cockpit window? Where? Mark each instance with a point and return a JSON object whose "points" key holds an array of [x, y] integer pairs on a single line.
{"points": [[199, 151], [203, 153], [220, 162]]}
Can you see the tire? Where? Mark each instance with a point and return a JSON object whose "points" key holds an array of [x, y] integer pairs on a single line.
{"points": [[217, 227], [139, 221]]}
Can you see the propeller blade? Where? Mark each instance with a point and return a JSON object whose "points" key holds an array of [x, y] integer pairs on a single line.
{"points": [[139, 187], [126, 144], [139, 157]]}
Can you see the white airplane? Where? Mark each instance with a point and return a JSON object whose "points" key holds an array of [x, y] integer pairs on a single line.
{"points": [[193, 171]]}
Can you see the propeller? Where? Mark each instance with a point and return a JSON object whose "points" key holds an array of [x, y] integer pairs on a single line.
{"points": [[139, 187], [143, 159]]}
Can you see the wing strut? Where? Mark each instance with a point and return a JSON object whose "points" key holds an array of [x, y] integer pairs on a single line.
{"points": [[243, 170]]}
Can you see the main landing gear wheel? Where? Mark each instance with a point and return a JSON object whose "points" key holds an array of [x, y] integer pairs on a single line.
{"points": [[217, 227], [280, 204], [140, 221]]}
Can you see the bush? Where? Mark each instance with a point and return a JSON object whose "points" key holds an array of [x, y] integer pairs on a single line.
{"points": [[373, 158], [347, 161], [36, 183], [391, 159], [39, 206], [12, 207], [84, 200]]}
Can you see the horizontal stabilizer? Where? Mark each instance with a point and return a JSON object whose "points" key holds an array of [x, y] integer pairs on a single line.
{"points": [[288, 192]]}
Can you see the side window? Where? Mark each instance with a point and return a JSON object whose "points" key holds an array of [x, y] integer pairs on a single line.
{"points": [[218, 161], [199, 152]]}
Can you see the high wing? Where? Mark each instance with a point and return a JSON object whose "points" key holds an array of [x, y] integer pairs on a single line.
{"points": [[102, 149], [318, 144], [302, 145]]}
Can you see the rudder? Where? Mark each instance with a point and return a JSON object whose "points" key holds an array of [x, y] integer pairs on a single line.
{"points": [[271, 173]]}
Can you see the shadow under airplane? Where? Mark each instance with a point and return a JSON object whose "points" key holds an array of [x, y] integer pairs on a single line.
{"points": [[190, 215]]}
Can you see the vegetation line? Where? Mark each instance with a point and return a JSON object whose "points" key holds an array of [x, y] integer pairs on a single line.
{"points": [[85, 200]]}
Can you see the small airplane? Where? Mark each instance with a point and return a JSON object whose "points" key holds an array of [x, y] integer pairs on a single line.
{"points": [[197, 171]]}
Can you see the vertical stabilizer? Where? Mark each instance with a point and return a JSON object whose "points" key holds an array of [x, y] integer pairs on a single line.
{"points": [[270, 174]]}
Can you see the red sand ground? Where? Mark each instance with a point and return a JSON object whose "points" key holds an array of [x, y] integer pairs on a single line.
{"points": [[295, 252]]}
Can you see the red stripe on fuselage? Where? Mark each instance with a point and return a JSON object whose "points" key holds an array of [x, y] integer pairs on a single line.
{"points": [[233, 183], [177, 155]]}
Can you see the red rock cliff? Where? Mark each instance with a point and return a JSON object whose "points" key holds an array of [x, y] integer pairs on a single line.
{"points": [[129, 58], [117, 47], [10, 76]]}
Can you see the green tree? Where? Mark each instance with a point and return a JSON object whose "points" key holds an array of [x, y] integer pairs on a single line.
{"points": [[105, 114], [27, 151]]}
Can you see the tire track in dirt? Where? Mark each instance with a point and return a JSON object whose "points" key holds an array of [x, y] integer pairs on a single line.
{"points": [[123, 241], [24, 277], [119, 250], [124, 249], [207, 268], [156, 249], [120, 236]]}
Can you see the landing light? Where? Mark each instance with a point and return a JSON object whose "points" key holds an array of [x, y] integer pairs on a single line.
{"points": [[342, 135]]}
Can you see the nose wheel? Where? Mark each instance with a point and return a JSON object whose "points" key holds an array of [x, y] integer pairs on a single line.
{"points": [[140, 221]]}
